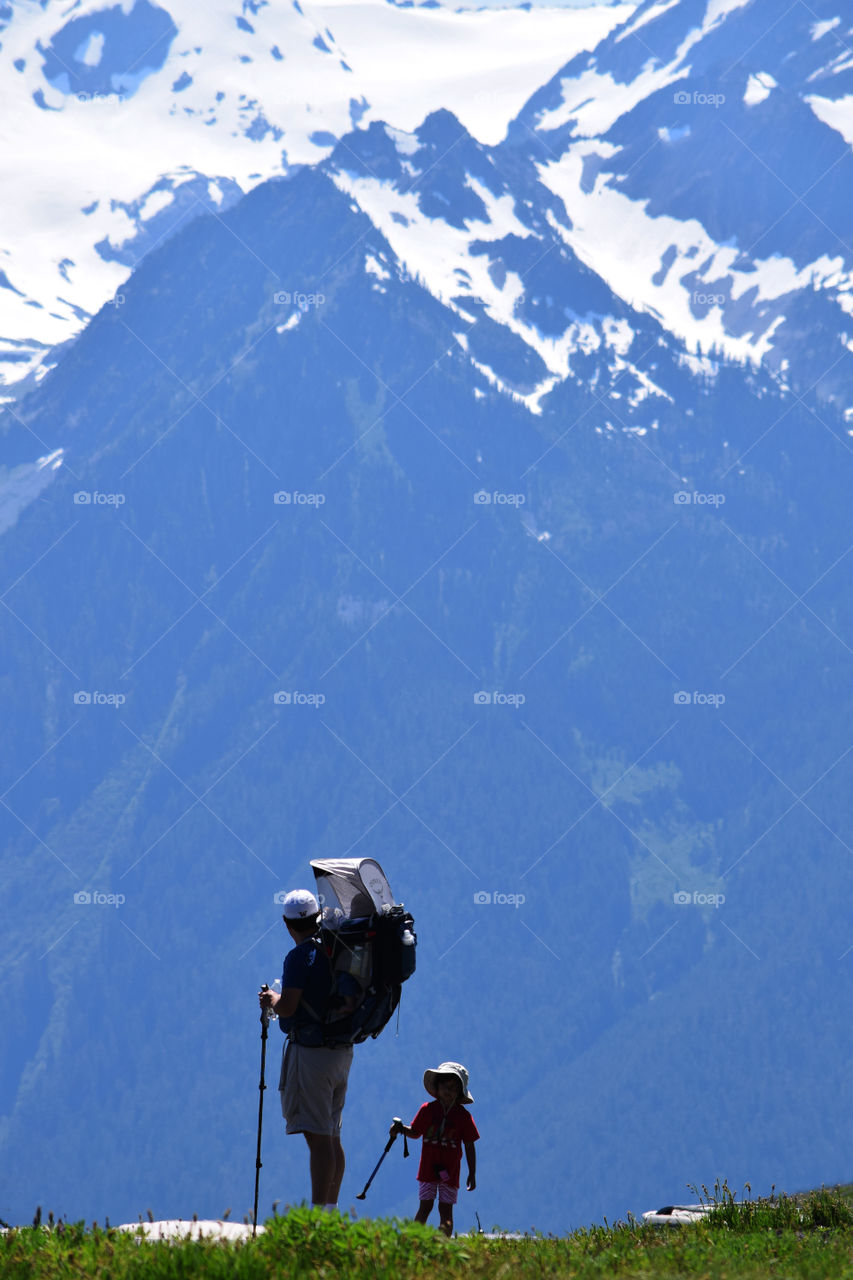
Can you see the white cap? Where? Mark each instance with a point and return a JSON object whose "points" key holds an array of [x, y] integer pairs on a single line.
{"points": [[300, 904]]}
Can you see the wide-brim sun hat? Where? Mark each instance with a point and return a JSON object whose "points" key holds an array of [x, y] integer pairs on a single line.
{"points": [[448, 1069], [300, 904]]}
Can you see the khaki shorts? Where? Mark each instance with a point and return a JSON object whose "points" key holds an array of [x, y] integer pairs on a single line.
{"points": [[313, 1086]]}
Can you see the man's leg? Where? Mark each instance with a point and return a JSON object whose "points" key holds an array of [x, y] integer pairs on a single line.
{"points": [[338, 1176], [340, 1073], [324, 1163], [445, 1218]]}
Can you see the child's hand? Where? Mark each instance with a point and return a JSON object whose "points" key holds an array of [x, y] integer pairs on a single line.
{"points": [[472, 1182]]}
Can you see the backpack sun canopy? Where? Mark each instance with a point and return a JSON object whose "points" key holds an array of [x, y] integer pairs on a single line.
{"points": [[353, 887]]}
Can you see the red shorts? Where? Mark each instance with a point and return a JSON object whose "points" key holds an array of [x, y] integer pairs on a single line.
{"points": [[446, 1194]]}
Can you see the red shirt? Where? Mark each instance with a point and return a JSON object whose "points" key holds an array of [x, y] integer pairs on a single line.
{"points": [[444, 1136]]}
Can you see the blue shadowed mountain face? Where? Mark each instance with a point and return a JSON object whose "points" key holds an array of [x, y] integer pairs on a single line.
{"points": [[332, 567], [110, 51]]}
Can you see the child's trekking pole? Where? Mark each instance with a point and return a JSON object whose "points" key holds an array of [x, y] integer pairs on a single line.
{"points": [[265, 1020], [388, 1145]]}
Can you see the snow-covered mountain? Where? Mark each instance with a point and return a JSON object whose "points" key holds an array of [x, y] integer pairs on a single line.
{"points": [[697, 162], [483, 241], [702, 159], [120, 122], [697, 159]]}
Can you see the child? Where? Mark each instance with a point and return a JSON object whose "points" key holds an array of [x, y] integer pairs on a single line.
{"points": [[445, 1127]]}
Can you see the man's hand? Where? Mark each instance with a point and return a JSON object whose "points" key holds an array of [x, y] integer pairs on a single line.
{"points": [[266, 998], [472, 1182], [397, 1126]]}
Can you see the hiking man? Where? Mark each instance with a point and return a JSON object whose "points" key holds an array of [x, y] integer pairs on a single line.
{"points": [[446, 1127], [313, 1082]]}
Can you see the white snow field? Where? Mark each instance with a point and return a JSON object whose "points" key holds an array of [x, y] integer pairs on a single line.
{"points": [[235, 100], [181, 1229]]}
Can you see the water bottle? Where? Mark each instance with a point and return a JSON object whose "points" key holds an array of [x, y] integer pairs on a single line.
{"points": [[407, 954]]}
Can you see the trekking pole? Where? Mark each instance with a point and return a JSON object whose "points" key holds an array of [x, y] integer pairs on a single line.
{"points": [[265, 1021], [388, 1145]]}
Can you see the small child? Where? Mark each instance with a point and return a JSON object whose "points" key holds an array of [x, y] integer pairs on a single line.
{"points": [[445, 1127]]}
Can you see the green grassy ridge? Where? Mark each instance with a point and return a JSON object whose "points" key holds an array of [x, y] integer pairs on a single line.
{"points": [[807, 1235]]}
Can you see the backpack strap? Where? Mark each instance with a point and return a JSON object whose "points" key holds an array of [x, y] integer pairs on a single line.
{"points": [[313, 1015]]}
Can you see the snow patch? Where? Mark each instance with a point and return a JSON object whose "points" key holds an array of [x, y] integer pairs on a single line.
{"points": [[615, 237], [719, 9], [406, 143], [200, 1229], [92, 49], [21, 485], [835, 112], [595, 101], [758, 87], [820, 29], [155, 202], [374, 267], [649, 16], [674, 135]]}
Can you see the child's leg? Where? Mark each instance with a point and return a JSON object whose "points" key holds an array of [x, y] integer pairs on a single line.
{"points": [[426, 1195], [445, 1218], [425, 1209]]}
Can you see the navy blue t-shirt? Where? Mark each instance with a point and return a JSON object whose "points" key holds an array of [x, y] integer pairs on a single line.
{"points": [[306, 968]]}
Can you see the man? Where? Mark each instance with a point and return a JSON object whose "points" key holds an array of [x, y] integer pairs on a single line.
{"points": [[313, 1081]]}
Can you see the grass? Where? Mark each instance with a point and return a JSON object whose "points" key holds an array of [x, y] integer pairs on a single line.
{"points": [[808, 1235]]}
